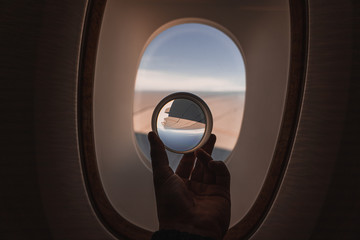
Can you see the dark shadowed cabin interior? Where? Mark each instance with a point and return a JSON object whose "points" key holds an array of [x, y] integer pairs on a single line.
{"points": [[69, 154]]}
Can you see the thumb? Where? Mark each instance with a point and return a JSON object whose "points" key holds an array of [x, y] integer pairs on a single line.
{"points": [[159, 160]]}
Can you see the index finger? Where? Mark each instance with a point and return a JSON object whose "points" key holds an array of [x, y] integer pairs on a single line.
{"points": [[209, 145]]}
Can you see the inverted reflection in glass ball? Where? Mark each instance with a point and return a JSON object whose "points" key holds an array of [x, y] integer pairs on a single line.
{"points": [[181, 125]]}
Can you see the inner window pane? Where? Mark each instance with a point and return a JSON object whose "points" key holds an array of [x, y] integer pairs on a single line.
{"points": [[196, 58]]}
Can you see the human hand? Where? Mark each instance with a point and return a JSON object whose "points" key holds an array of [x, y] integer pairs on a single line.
{"points": [[194, 199]]}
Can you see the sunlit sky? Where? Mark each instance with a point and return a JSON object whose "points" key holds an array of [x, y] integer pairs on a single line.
{"points": [[191, 57]]}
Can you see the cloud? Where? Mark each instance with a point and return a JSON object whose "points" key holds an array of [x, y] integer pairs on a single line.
{"points": [[153, 80]]}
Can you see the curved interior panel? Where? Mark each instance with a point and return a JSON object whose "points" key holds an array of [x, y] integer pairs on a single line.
{"points": [[262, 29], [120, 184]]}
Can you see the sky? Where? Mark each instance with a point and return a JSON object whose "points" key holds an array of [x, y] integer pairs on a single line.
{"points": [[191, 57]]}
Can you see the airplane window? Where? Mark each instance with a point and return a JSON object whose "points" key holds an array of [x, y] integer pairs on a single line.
{"points": [[196, 58]]}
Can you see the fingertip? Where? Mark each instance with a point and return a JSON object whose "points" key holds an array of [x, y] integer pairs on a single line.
{"points": [[213, 137], [151, 136], [210, 143]]}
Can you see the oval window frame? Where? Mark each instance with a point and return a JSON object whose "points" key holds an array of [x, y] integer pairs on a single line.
{"points": [[111, 219]]}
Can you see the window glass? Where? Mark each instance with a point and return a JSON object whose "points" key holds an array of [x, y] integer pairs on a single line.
{"points": [[196, 58]]}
